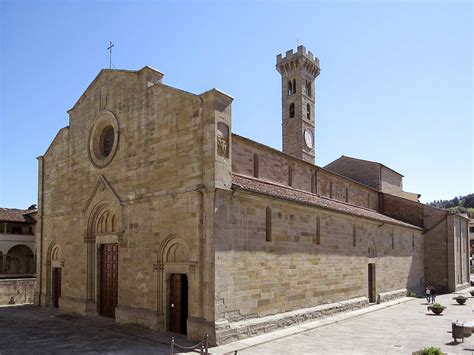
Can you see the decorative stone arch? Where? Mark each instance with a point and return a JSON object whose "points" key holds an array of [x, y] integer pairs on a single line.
{"points": [[103, 220], [23, 257], [372, 249], [174, 257], [173, 249]]}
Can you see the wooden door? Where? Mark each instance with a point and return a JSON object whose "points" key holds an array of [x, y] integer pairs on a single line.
{"points": [[178, 303], [372, 288], [56, 286], [108, 280]]}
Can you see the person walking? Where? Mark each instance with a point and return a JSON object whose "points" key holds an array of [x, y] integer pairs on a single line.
{"points": [[433, 294], [428, 294]]}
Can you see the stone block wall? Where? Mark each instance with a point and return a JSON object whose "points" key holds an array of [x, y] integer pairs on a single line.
{"points": [[17, 291], [277, 167], [363, 171], [402, 209], [391, 181], [436, 257], [256, 278], [458, 258]]}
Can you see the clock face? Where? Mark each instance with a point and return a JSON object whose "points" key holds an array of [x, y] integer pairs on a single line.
{"points": [[308, 138]]}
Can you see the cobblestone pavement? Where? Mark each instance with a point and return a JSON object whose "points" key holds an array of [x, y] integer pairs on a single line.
{"points": [[400, 329], [30, 329]]}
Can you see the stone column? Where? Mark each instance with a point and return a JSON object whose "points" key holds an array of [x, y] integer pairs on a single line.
{"points": [[91, 304], [4, 263]]}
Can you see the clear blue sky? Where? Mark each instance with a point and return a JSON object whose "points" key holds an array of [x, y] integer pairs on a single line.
{"points": [[396, 82]]}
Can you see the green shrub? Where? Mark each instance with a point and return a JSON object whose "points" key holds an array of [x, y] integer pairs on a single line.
{"points": [[431, 351], [436, 305]]}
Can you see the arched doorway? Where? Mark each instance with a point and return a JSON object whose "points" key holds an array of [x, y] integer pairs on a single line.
{"points": [[102, 260], [175, 279], [371, 276], [55, 263]]}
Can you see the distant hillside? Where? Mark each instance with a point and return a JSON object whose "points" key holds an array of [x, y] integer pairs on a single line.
{"points": [[461, 204]]}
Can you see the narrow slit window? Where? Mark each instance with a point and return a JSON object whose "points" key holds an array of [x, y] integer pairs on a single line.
{"points": [[308, 111], [354, 235], [393, 241], [294, 86], [255, 165], [290, 88], [316, 182], [290, 176], [268, 224], [292, 110], [412, 242], [318, 231]]}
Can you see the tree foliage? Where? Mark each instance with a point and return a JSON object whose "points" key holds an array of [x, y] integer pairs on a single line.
{"points": [[459, 204]]}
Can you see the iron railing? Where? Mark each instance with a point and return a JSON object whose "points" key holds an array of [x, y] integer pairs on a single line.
{"points": [[202, 347]]}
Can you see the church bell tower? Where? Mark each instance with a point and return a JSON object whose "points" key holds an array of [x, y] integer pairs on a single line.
{"points": [[298, 71]]}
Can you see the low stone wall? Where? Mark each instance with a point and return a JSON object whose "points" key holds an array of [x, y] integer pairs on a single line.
{"points": [[462, 286], [392, 295], [228, 332], [17, 291]]}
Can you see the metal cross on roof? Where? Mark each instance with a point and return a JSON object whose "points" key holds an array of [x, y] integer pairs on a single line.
{"points": [[109, 48]]}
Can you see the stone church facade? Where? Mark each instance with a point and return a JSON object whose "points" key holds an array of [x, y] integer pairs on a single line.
{"points": [[152, 212]]}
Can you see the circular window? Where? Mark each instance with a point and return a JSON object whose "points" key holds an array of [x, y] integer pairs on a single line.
{"points": [[107, 141], [103, 139]]}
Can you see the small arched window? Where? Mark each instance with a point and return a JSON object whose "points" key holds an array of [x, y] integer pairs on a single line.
{"points": [[290, 88], [290, 176], [268, 224], [294, 86], [308, 111], [292, 110], [255, 165], [308, 88]]}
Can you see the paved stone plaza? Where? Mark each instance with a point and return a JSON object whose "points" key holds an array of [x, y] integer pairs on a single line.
{"points": [[28, 329], [397, 327]]}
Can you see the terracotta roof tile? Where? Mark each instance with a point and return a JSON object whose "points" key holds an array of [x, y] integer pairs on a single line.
{"points": [[288, 193], [15, 215]]}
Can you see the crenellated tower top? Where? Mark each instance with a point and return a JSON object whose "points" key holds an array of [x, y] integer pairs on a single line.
{"points": [[295, 61]]}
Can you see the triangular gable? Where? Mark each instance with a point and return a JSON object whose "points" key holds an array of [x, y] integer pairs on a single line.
{"points": [[101, 186], [153, 76]]}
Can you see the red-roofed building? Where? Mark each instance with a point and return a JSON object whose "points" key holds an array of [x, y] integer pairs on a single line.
{"points": [[17, 242]]}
